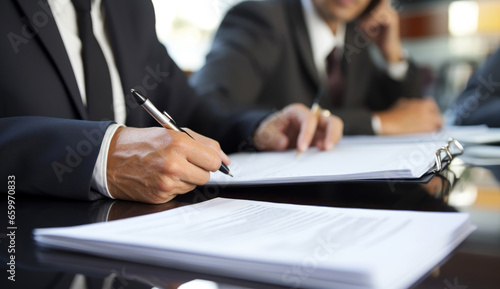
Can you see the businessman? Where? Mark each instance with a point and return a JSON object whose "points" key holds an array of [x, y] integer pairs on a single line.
{"points": [[272, 53], [69, 127], [479, 103]]}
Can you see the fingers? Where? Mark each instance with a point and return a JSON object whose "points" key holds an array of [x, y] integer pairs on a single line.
{"points": [[382, 27], [381, 15], [430, 104], [411, 116], [330, 130], [204, 157], [154, 165], [296, 124], [270, 136], [325, 129], [434, 117], [385, 14], [308, 124], [210, 143]]}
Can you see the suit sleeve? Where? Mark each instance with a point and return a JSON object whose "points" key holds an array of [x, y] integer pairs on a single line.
{"points": [[377, 91], [245, 50], [50, 156], [232, 127], [410, 86], [479, 103]]}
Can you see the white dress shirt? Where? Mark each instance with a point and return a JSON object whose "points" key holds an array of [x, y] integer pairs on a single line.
{"points": [[65, 18], [323, 41]]}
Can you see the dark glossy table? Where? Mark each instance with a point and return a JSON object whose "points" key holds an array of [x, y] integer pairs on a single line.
{"points": [[475, 264]]}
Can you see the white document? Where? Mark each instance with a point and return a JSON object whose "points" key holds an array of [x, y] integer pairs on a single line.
{"points": [[344, 162], [482, 155], [290, 245], [475, 133], [491, 135]]}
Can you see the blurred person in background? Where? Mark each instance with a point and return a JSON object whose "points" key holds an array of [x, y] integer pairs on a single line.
{"points": [[268, 54], [479, 103]]}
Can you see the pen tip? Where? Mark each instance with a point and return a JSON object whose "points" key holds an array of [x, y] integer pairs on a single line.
{"points": [[138, 97], [229, 174]]}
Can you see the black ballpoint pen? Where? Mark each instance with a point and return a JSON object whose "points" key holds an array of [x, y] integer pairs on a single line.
{"points": [[165, 120]]}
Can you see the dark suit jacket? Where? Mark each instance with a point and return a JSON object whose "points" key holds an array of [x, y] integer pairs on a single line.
{"points": [[479, 103], [45, 140], [261, 55]]}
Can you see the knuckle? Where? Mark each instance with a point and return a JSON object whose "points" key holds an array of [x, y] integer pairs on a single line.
{"points": [[296, 107], [178, 142], [172, 167], [188, 188], [160, 198], [214, 144], [217, 145], [204, 178], [215, 163], [157, 196], [167, 185]]}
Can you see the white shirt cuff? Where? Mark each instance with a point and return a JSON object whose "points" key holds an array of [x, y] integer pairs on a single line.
{"points": [[397, 71], [99, 180], [376, 125]]}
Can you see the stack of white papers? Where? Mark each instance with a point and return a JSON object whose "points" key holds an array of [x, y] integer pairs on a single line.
{"points": [[290, 245]]}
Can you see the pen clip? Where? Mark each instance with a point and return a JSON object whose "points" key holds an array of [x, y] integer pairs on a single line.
{"points": [[169, 117]]}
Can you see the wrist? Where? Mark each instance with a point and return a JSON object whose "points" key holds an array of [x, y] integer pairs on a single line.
{"points": [[99, 176], [395, 55], [392, 49], [109, 187], [386, 126]]}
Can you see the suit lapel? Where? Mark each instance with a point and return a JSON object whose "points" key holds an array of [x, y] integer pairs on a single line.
{"points": [[301, 38], [49, 36]]}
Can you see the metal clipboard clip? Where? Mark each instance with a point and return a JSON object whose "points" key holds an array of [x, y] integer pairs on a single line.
{"points": [[446, 153]]}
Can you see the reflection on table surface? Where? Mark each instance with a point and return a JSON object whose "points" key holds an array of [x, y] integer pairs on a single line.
{"points": [[475, 264]]}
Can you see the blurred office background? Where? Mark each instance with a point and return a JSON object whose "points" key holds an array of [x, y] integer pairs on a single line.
{"points": [[448, 39]]}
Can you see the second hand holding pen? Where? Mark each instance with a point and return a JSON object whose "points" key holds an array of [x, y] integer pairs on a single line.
{"points": [[165, 120], [316, 111]]}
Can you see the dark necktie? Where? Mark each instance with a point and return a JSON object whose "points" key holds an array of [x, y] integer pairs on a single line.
{"points": [[96, 72], [335, 78]]}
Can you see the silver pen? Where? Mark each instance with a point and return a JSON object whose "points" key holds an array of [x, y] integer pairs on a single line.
{"points": [[166, 120]]}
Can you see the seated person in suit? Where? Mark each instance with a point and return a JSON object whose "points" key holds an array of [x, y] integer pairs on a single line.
{"points": [[67, 69], [479, 103], [272, 53]]}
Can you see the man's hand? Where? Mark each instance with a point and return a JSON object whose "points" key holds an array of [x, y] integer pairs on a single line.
{"points": [[153, 165], [381, 25], [296, 126], [411, 116]]}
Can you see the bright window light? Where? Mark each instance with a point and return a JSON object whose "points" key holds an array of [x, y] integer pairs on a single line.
{"points": [[463, 18], [186, 28]]}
